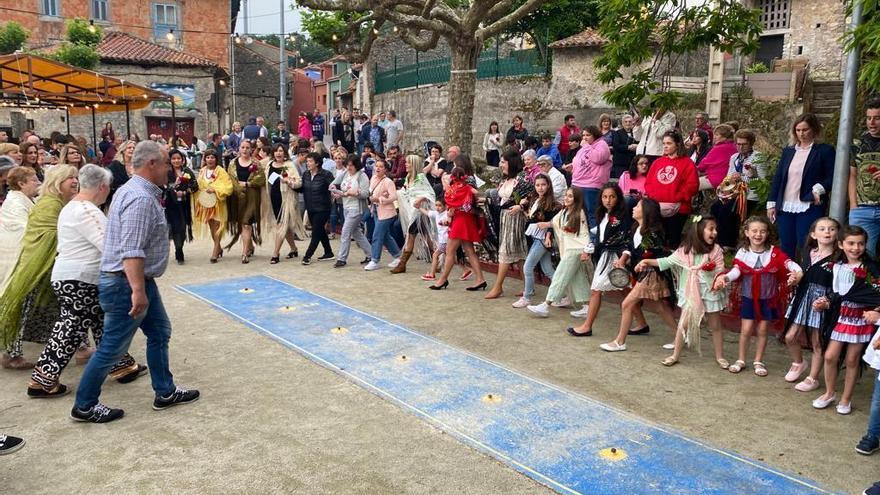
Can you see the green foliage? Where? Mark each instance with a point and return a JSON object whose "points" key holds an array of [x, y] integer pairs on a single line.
{"points": [[80, 49], [757, 68], [309, 51], [649, 35], [12, 37], [80, 32], [768, 160], [867, 36], [82, 56], [323, 26], [555, 20]]}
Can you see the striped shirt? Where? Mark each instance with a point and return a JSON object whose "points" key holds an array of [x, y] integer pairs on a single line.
{"points": [[136, 228]]}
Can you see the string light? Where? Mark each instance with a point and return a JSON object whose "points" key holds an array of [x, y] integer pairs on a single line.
{"points": [[170, 35], [259, 72], [92, 28], [395, 29], [335, 38], [222, 82]]}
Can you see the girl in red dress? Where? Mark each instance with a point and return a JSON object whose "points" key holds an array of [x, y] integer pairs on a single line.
{"points": [[464, 229]]}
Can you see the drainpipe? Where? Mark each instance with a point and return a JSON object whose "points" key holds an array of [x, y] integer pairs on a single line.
{"points": [[839, 195]]}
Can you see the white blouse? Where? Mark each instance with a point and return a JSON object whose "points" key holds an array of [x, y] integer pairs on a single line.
{"points": [[13, 221], [81, 227]]}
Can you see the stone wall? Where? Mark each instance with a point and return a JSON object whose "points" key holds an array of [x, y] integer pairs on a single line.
{"points": [[816, 29], [204, 122], [255, 94]]}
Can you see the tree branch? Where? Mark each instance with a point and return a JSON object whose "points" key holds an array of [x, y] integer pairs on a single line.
{"points": [[419, 43], [505, 22]]}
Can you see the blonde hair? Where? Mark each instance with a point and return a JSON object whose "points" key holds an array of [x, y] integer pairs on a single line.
{"points": [[122, 148], [66, 149], [55, 176], [18, 176], [7, 148], [414, 162]]}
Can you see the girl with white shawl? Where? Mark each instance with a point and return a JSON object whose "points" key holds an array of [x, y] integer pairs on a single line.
{"points": [[415, 202], [280, 207]]}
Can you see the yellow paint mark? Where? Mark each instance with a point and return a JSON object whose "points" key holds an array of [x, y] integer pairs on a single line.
{"points": [[247, 290], [339, 330], [491, 398], [286, 309], [404, 358], [612, 454]]}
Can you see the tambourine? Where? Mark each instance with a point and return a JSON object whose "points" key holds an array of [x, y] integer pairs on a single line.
{"points": [[207, 200], [619, 278]]}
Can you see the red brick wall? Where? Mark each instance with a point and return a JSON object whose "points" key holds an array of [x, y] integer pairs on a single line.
{"points": [[204, 23]]}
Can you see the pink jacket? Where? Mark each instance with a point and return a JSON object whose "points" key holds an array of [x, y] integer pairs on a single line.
{"points": [[305, 128], [385, 207], [626, 183], [716, 162], [591, 166]]}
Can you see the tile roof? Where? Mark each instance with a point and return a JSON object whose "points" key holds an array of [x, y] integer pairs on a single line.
{"points": [[119, 47], [587, 38]]}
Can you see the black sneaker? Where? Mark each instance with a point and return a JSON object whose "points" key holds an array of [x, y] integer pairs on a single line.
{"points": [[99, 413], [179, 396], [9, 444], [339, 264], [868, 445], [366, 260], [38, 392], [326, 256], [307, 261], [873, 490], [133, 375]]}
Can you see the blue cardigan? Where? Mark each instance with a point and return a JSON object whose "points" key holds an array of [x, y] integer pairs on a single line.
{"points": [[819, 169]]}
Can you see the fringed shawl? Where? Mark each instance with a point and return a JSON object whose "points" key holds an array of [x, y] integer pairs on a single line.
{"points": [[289, 218], [219, 181]]}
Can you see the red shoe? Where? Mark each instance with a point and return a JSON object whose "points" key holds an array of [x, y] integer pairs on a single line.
{"points": [[466, 275], [429, 277]]}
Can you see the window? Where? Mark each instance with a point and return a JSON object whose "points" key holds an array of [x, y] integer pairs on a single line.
{"points": [[99, 10], [50, 7], [774, 14], [164, 19]]}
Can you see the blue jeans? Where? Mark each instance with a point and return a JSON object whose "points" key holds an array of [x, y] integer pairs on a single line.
{"points": [[382, 236], [538, 256], [874, 418], [114, 294], [369, 223], [794, 227], [868, 218], [337, 218], [591, 200]]}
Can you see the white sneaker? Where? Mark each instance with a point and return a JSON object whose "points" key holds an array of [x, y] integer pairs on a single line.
{"points": [[541, 310], [372, 265], [612, 346], [394, 263], [669, 347], [581, 313], [563, 303], [522, 303]]}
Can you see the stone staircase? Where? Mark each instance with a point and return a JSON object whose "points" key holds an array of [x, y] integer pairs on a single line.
{"points": [[826, 99]]}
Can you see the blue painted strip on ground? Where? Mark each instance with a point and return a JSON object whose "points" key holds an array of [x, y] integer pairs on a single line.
{"points": [[550, 434]]}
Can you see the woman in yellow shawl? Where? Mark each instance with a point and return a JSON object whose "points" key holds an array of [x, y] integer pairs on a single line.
{"points": [[28, 291], [248, 181], [280, 208], [209, 202]]}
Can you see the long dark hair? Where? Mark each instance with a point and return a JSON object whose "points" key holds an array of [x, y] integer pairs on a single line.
{"points": [[692, 241], [772, 235], [283, 148], [634, 166], [463, 161], [547, 202], [496, 126], [675, 136], [703, 148], [514, 163], [651, 218], [575, 211], [619, 209]]}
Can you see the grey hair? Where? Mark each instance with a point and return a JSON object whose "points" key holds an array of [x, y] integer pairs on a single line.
{"points": [[92, 176], [6, 163], [146, 152], [530, 153]]}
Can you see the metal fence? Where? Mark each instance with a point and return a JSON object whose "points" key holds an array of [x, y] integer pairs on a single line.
{"points": [[436, 71]]}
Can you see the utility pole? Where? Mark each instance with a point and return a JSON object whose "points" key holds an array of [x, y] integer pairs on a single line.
{"points": [[839, 196], [244, 10], [282, 70]]}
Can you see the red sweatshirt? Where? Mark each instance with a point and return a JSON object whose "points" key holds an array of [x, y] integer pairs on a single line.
{"points": [[673, 180]]}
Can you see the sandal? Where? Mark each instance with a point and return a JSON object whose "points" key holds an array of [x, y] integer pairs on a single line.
{"points": [[245, 259], [723, 363], [274, 260], [669, 361], [737, 366], [292, 254], [760, 369]]}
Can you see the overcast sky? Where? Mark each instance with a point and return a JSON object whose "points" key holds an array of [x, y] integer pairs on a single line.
{"points": [[263, 17]]}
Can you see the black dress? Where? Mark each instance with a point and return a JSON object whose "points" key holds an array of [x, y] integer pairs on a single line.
{"points": [[275, 191], [178, 211]]}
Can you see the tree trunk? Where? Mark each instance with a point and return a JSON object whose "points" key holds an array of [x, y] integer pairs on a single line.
{"points": [[462, 90]]}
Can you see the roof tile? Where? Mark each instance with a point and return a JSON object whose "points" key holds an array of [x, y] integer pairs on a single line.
{"points": [[122, 47], [587, 38]]}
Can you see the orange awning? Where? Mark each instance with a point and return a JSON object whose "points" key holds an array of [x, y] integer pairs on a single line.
{"points": [[45, 82]]}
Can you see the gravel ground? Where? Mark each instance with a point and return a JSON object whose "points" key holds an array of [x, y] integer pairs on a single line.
{"points": [[270, 421]]}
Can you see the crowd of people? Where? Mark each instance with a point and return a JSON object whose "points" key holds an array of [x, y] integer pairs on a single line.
{"points": [[631, 205]]}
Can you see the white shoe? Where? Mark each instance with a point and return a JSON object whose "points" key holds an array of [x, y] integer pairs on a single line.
{"points": [[540, 309], [522, 303], [581, 313], [820, 403], [669, 347], [394, 263], [612, 346], [372, 265], [844, 408], [563, 303]]}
